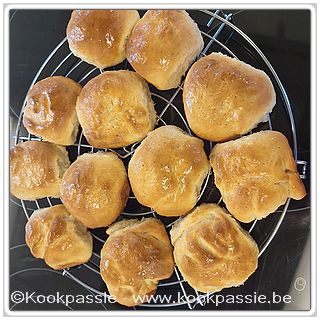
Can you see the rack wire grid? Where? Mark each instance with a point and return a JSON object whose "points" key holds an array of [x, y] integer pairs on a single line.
{"points": [[220, 34]]}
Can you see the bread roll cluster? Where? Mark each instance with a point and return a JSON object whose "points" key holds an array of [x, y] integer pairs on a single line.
{"points": [[223, 98]]}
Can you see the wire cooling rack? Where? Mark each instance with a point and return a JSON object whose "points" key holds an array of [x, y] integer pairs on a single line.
{"points": [[220, 35]]}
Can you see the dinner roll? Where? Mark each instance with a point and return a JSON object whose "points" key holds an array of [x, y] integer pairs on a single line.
{"points": [[162, 46], [50, 112], [211, 250], [256, 174], [225, 98], [54, 235], [135, 257], [99, 36], [115, 109], [36, 169], [95, 188], [167, 170]]}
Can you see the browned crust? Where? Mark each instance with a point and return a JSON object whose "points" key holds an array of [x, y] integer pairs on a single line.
{"points": [[134, 258], [36, 169], [99, 36], [54, 235], [162, 46], [115, 109], [50, 110], [256, 174], [95, 189], [167, 170], [224, 98], [211, 250]]}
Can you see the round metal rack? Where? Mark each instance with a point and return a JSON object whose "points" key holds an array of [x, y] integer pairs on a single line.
{"points": [[220, 34]]}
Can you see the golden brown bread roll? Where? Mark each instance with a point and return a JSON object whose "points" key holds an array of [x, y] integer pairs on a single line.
{"points": [[224, 98], [50, 112], [167, 170], [95, 188], [36, 169], [54, 235], [256, 174], [211, 250], [99, 36], [135, 257], [162, 46], [115, 109]]}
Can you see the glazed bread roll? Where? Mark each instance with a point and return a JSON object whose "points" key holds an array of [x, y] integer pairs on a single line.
{"points": [[167, 170], [36, 169], [135, 257], [256, 174], [162, 46], [115, 109], [99, 36], [54, 235], [211, 250], [95, 188], [224, 98], [50, 112]]}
